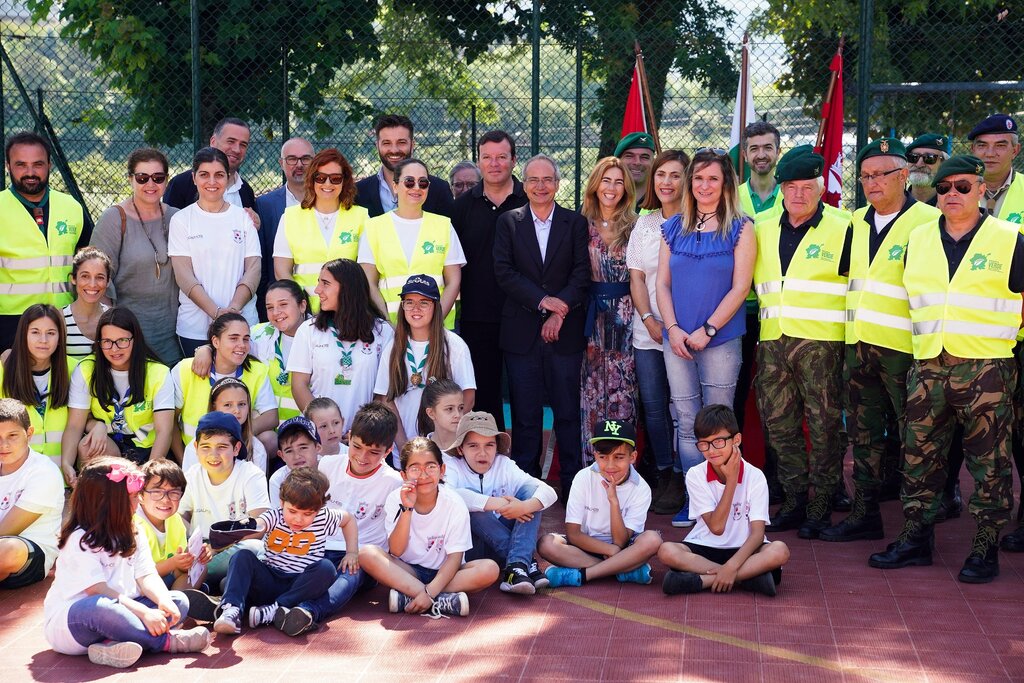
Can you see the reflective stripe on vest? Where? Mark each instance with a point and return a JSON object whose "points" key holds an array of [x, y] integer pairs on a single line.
{"points": [[310, 252], [139, 415], [877, 305], [809, 302], [49, 428], [974, 315], [195, 393], [1012, 208]]}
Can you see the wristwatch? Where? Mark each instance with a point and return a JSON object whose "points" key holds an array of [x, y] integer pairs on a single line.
{"points": [[645, 316], [710, 329]]}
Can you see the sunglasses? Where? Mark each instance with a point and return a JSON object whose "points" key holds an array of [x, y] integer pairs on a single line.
{"points": [[143, 178], [717, 151], [334, 178], [411, 182], [926, 158], [961, 186]]}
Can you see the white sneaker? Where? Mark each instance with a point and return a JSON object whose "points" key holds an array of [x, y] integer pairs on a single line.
{"points": [[114, 654], [193, 640], [230, 620]]}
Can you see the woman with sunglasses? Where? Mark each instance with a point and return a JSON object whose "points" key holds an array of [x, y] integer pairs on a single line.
{"points": [[327, 224], [408, 241], [133, 234]]}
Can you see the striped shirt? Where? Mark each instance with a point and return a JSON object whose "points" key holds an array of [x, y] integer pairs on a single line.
{"points": [[292, 551], [79, 346]]}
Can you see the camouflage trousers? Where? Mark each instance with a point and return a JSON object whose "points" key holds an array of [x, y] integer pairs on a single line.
{"points": [[799, 379], [876, 386], [976, 393]]}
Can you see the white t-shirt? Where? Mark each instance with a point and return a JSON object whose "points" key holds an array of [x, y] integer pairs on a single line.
{"points": [[78, 569], [259, 455], [325, 221], [364, 498], [244, 490], [37, 487], [263, 341], [749, 502], [883, 219], [316, 353], [642, 254], [503, 479], [435, 535], [79, 395], [408, 236], [408, 404], [218, 244], [588, 503]]}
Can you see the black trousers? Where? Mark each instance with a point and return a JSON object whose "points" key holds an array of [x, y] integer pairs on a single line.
{"points": [[488, 365]]}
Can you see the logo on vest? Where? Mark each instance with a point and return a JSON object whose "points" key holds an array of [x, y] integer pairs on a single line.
{"points": [[142, 406], [1014, 218], [345, 237], [896, 252], [818, 252], [64, 229], [979, 261], [433, 248]]}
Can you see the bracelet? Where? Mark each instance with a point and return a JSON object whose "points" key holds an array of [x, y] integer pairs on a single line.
{"points": [[428, 593], [673, 325]]}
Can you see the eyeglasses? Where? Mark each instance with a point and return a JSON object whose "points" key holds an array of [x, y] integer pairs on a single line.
{"points": [[429, 468], [322, 178], [533, 180], [143, 178], [712, 150], [926, 158], [122, 343], [411, 182], [865, 179], [961, 186], [464, 184], [413, 305], [705, 446], [291, 160], [160, 494]]}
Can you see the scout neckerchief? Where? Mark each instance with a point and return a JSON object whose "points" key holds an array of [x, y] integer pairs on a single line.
{"points": [[35, 208], [282, 377], [416, 368], [344, 378], [119, 425], [238, 373], [41, 396]]}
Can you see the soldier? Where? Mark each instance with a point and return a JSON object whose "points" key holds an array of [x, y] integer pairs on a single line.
{"points": [[965, 319], [924, 156], [637, 152], [995, 141], [878, 338], [803, 249]]}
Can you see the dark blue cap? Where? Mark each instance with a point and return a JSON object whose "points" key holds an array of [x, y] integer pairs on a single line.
{"points": [[219, 420], [997, 123], [298, 423], [424, 285]]}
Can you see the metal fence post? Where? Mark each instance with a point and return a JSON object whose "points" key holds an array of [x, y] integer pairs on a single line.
{"points": [[579, 115], [196, 89], [867, 16], [472, 133], [535, 82], [285, 104]]}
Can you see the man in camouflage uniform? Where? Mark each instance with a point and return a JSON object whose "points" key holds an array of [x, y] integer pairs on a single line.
{"points": [[803, 249], [965, 321]]}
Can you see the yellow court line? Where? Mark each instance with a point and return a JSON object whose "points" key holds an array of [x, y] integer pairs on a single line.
{"points": [[725, 639]]}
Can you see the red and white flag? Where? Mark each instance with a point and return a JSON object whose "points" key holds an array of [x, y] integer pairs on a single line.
{"points": [[832, 144]]}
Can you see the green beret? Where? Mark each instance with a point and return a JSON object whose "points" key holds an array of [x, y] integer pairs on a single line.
{"points": [[961, 164], [799, 163], [633, 140], [882, 147], [929, 141]]}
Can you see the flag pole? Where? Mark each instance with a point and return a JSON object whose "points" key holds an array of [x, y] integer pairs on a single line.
{"points": [[828, 97], [744, 85], [648, 104]]}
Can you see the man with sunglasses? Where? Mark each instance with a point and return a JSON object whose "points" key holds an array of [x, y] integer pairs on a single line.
{"points": [[878, 338], [996, 142], [924, 156], [965, 319]]}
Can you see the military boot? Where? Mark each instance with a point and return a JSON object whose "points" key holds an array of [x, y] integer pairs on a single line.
{"points": [[982, 565], [913, 547], [952, 504], [819, 516], [841, 498], [1013, 542], [791, 515], [865, 522]]}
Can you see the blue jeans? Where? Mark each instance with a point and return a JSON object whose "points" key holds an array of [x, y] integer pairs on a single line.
{"points": [[708, 379], [505, 540], [98, 618], [652, 380], [345, 586], [252, 580]]}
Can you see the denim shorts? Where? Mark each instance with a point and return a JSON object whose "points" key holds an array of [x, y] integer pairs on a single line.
{"points": [[32, 572], [424, 574]]}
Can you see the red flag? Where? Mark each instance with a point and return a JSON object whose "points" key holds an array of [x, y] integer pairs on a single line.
{"points": [[635, 118], [832, 144]]}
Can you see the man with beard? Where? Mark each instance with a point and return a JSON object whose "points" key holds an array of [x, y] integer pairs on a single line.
{"points": [[924, 155], [394, 138], [761, 150], [636, 151], [40, 225]]}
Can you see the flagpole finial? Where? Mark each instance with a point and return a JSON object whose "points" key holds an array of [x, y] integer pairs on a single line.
{"points": [[636, 49]]}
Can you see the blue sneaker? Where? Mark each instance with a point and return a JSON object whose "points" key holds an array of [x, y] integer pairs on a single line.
{"points": [[563, 576], [682, 519], [641, 574]]}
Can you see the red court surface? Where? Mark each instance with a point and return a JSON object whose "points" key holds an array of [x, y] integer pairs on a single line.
{"points": [[835, 619]]}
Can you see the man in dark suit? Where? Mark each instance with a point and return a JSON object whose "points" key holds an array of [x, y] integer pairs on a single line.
{"points": [[542, 263], [230, 136], [394, 136]]}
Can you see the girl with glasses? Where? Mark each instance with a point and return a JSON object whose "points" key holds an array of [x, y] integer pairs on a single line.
{"points": [[90, 274]]}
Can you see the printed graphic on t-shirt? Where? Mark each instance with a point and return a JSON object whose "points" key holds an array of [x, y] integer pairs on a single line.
{"points": [[10, 500], [436, 544], [298, 543]]}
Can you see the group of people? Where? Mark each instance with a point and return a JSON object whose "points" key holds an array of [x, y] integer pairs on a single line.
{"points": [[246, 473]]}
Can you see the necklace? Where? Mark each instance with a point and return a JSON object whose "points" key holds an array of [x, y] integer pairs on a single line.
{"points": [[703, 219], [416, 368], [156, 252]]}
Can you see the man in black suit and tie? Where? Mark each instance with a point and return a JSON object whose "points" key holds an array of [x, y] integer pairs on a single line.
{"points": [[393, 133], [542, 262]]}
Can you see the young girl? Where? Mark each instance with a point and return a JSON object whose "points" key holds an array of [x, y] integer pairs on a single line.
{"points": [[231, 396], [428, 532], [35, 374], [330, 425], [287, 308], [421, 352], [90, 273], [120, 398], [107, 599], [441, 408]]}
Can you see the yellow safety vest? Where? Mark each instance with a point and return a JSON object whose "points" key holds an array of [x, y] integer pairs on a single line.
{"points": [[877, 306], [195, 393], [175, 536], [139, 416], [427, 258], [286, 406], [809, 302], [310, 253], [1012, 209], [747, 201], [974, 315], [48, 429], [35, 269]]}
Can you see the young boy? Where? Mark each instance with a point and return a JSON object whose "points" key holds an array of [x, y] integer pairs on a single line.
{"points": [[604, 517], [298, 445], [729, 498], [294, 568], [31, 501], [323, 412], [360, 483]]}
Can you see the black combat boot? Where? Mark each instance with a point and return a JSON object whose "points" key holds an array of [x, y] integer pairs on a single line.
{"points": [[982, 565], [913, 547], [1013, 542], [952, 504], [841, 498], [865, 522], [791, 515], [819, 516]]}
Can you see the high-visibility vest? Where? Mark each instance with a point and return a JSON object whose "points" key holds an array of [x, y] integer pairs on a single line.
{"points": [[175, 536], [1012, 209], [286, 406], [195, 393], [48, 428], [877, 306], [428, 257], [747, 200], [974, 315], [139, 415], [809, 302], [35, 269], [310, 252]]}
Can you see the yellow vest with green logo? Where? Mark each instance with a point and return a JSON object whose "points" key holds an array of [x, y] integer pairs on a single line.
{"points": [[286, 406], [35, 269], [310, 253], [139, 416], [48, 429], [428, 257], [195, 393], [974, 315], [809, 302], [175, 536], [1012, 209], [877, 306]]}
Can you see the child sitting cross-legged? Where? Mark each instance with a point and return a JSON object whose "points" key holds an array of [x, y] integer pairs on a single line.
{"points": [[604, 517], [729, 498]]}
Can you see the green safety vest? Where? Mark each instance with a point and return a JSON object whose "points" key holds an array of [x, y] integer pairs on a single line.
{"points": [[286, 406], [310, 253], [139, 416], [747, 200], [1012, 209], [195, 393], [48, 428]]}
